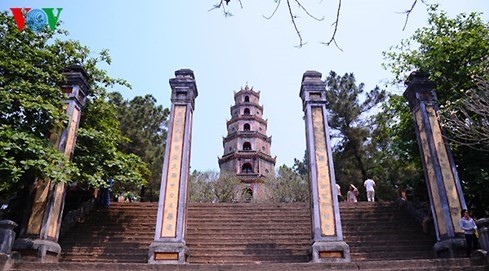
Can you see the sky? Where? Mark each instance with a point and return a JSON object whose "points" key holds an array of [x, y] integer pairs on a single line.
{"points": [[149, 40]]}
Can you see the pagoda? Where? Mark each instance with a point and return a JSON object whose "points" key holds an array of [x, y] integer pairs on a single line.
{"points": [[247, 146]]}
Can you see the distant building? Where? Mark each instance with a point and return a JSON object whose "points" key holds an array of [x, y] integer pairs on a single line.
{"points": [[247, 146]]}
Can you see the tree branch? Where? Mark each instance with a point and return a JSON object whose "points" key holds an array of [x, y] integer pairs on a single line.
{"points": [[333, 37], [408, 12], [273, 13], [295, 25], [293, 17], [307, 12], [221, 5], [468, 122]]}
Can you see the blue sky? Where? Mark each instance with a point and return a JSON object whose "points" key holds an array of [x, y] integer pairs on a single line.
{"points": [[149, 40]]}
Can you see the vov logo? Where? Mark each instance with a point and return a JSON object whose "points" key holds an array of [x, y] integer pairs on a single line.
{"points": [[36, 19]]}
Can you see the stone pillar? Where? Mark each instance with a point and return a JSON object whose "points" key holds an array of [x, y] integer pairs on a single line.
{"points": [[444, 189], [39, 238], [327, 243], [169, 245]]}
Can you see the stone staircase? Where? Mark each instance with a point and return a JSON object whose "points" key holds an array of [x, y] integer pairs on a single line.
{"points": [[248, 236]]}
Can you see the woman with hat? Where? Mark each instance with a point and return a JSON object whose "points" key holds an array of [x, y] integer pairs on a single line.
{"points": [[352, 194]]}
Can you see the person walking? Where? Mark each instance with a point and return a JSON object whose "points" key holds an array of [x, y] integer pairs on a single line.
{"points": [[370, 186], [468, 225], [352, 194], [338, 189]]}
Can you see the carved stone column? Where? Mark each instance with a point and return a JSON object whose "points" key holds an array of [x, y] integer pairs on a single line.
{"points": [[327, 243], [39, 238], [169, 245], [444, 189]]}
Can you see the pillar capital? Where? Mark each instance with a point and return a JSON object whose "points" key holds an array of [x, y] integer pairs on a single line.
{"points": [[313, 89], [419, 89], [184, 88], [76, 86]]}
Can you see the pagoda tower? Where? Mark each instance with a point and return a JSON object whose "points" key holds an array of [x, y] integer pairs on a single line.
{"points": [[247, 146]]}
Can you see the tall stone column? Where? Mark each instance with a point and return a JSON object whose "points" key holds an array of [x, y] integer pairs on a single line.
{"points": [[169, 245], [327, 243], [39, 238], [444, 189]]}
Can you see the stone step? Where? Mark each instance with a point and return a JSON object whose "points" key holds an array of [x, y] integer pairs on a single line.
{"points": [[247, 259], [239, 245], [248, 208], [124, 215], [394, 265], [243, 233], [72, 241]]}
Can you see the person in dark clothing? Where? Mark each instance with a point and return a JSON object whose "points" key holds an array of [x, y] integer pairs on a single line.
{"points": [[105, 193]]}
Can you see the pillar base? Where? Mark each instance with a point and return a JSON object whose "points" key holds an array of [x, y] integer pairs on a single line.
{"points": [[38, 250], [450, 248], [480, 257], [168, 253], [7, 260], [330, 251]]}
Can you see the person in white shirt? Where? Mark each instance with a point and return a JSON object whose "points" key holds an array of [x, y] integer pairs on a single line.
{"points": [[369, 185], [338, 189], [468, 225]]}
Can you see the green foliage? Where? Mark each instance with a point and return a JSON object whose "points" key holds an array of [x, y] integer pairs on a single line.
{"points": [[24, 156], [143, 123], [301, 168], [31, 106], [200, 186], [228, 188], [31, 112], [454, 51], [288, 186], [397, 157], [210, 186], [360, 148], [451, 50], [97, 153]]}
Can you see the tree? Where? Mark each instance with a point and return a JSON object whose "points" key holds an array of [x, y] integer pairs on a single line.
{"points": [[288, 186], [452, 51], [210, 186], [301, 167], [98, 152], [468, 118], [200, 186], [30, 107], [144, 124], [455, 52], [31, 112], [396, 158], [355, 148], [228, 188]]}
